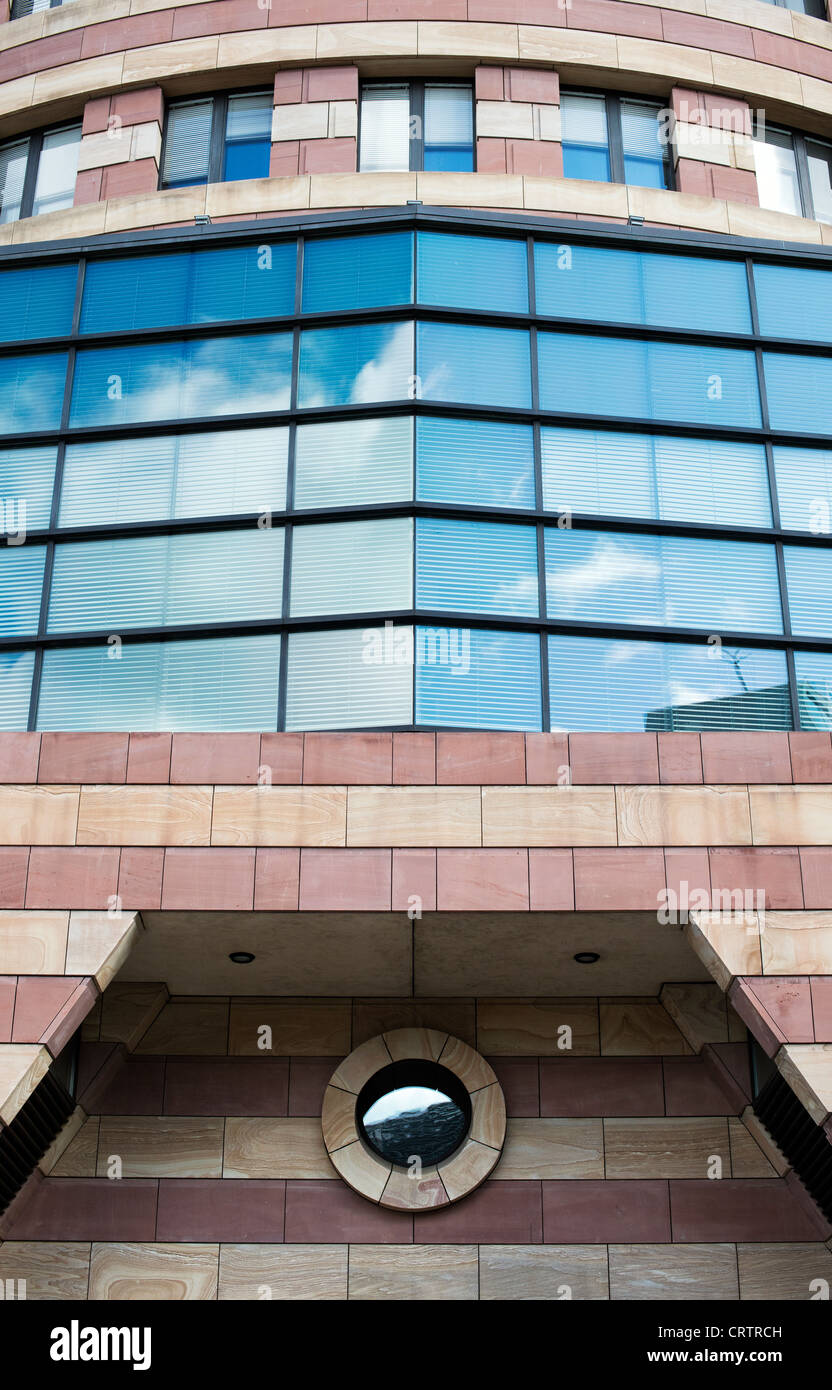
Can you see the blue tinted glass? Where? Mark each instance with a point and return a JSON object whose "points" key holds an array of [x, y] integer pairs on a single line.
{"points": [[37, 301], [472, 272], [659, 381], [813, 672], [27, 477], [357, 272], [799, 392], [31, 392], [16, 669], [231, 282], [723, 586], [477, 679], [602, 282], [480, 463], [794, 302], [619, 684], [476, 566], [21, 584], [362, 362], [172, 380], [247, 159], [451, 159], [645, 173], [478, 366], [809, 582], [804, 488], [586, 162]]}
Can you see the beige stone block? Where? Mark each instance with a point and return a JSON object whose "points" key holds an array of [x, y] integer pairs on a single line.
{"points": [[287, 1271], [469, 1167], [791, 815], [33, 943], [465, 190], [297, 1029], [342, 121], [360, 1169], [744, 220], [543, 44], [808, 1069], [703, 142], [24, 30], [79, 1158], [699, 1012], [413, 1273], [156, 1146], [301, 120], [275, 1148], [708, 815], [86, 220], [575, 195], [362, 1063], [471, 1068], [102, 149], [64, 1139], [99, 944], [675, 1273], [756, 81], [396, 40], [293, 44], [807, 28], [742, 153], [148, 65], [85, 78], [361, 190], [817, 95], [796, 943], [127, 1010], [543, 1272], [542, 1149], [758, 1132], [748, 12], [22, 1066], [674, 60], [543, 816], [152, 209], [246, 197], [415, 816], [279, 816], [42, 815], [146, 141], [438, 39], [784, 1272], [547, 122], [17, 94], [338, 1122], [727, 943], [54, 1270], [403, 1191], [685, 209], [530, 1028], [488, 1116], [747, 1158], [189, 1028], [407, 1043], [136, 815], [83, 12], [639, 1028], [141, 1271], [505, 119]]}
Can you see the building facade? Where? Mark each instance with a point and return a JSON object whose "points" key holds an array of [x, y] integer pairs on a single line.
{"points": [[415, 649]]}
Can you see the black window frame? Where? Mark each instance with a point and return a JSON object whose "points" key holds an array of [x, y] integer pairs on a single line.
{"points": [[615, 138], [800, 146], [416, 143], [35, 139], [217, 141]]}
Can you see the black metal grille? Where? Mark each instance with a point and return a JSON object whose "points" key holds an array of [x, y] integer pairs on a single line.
{"points": [[801, 1140], [24, 1142]]}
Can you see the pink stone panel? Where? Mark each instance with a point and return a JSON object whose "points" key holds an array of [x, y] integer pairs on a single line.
{"points": [[693, 176], [726, 113], [547, 759], [230, 759], [498, 1213], [83, 758], [88, 1209], [283, 755], [88, 185], [19, 754], [336, 156], [330, 84], [221, 17], [782, 52], [729, 1065], [148, 760], [551, 880], [520, 1080], [284, 158], [140, 877], [612, 17], [688, 876], [348, 758], [136, 176], [811, 756], [227, 1086], [489, 83], [483, 758], [290, 12], [223, 1209], [597, 1211], [308, 1080], [414, 876], [491, 156], [119, 34], [712, 34], [741, 875], [518, 12], [345, 880], [276, 877], [735, 185], [580, 1087], [72, 877], [66, 1023], [139, 107], [14, 863], [821, 986], [414, 759], [608, 758], [746, 757], [689, 105], [691, 1088], [8, 989], [619, 879], [746, 1209], [41, 55], [533, 84], [680, 759], [536, 158], [40, 998], [482, 880], [416, 9], [219, 880], [320, 1211], [754, 1016], [96, 116], [787, 1000], [136, 1087]]}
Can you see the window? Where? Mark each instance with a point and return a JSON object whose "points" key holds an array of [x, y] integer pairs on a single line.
{"points": [[37, 173], [217, 139], [812, 7], [794, 173], [416, 125], [20, 8], [612, 139]]}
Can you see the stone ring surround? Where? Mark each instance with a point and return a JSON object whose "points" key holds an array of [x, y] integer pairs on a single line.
{"points": [[389, 1185]]}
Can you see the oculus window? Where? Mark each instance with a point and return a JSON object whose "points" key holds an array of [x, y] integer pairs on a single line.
{"points": [[37, 173], [794, 173], [612, 139], [414, 1109], [217, 139], [416, 125]]}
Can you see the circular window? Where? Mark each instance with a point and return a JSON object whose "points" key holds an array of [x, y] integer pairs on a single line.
{"points": [[414, 1119]]}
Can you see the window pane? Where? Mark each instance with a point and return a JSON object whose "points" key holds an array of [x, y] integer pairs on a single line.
{"points": [[37, 301], [479, 366], [658, 381], [248, 136], [57, 167], [476, 566], [600, 282], [187, 143], [385, 128], [349, 462], [794, 302], [813, 673], [231, 282], [27, 477], [173, 380], [819, 158], [352, 567], [644, 154], [585, 138], [777, 182], [610, 684], [362, 362], [357, 272], [608, 473], [799, 392], [203, 684], [809, 582], [481, 463], [16, 670], [472, 272], [149, 581], [13, 159], [476, 679], [613, 577], [352, 679], [449, 127], [24, 7], [21, 584], [31, 392], [804, 488], [150, 479]]}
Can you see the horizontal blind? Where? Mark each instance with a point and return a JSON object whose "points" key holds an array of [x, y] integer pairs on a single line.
{"points": [[357, 272], [475, 678], [471, 272], [362, 362], [804, 488], [37, 301], [794, 302], [249, 117], [809, 583], [16, 671], [640, 129], [13, 159], [21, 585], [188, 142], [449, 118], [27, 478], [347, 463], [584, 119], [476, 566], [479, 463], [352, 567], [354, 678], [813, 673], [474, 365], [799, 390], [385, 128]]}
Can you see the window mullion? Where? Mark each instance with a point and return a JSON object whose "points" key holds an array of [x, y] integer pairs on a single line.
{"points": [[216, 150], [27, 197], [804, 182], [417, 124]]}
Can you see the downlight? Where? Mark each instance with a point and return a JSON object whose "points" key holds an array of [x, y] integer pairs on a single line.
{"points": [[241, 957], [586, 957]]}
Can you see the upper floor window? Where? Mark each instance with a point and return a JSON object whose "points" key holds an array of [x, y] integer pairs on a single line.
{"points": [[218, 139], [37, 173], [416, 125], [813, 7], [24, 7], [794, 173], [614, 139]]}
